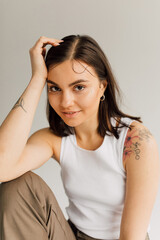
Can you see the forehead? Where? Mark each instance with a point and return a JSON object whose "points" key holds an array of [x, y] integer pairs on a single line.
{"points": [[72, 68]]}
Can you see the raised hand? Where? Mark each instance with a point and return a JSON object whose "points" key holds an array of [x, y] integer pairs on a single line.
{"points": [[37, 54]]}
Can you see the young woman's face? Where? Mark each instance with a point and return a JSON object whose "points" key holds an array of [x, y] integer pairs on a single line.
{"points": [[74, 92]]}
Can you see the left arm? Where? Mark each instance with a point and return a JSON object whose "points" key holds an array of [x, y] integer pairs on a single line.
{"points": [[143, 171]]}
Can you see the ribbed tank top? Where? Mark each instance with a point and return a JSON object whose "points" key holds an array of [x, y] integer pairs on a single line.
{"points": [[94, 181]]}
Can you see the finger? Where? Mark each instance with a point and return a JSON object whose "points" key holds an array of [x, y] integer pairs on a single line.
{"points": [[44, 52], [43, 41], [52, 40]]}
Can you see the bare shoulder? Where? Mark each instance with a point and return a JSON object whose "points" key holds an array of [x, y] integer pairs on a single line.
{"points": [[139, 131], [139, 140], [48, 136], [142, 178]]}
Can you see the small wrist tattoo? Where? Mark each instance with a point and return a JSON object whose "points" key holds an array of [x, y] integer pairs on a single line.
{"points": [[19, 103]]}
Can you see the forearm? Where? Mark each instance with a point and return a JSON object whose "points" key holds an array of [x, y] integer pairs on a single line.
{"points": [[15, 129]]}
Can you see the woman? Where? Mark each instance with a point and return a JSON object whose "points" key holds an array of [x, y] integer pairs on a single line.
{"points": [[109, 160]]}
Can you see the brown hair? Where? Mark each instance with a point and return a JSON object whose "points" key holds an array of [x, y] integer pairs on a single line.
{"points": [[86, 49]]}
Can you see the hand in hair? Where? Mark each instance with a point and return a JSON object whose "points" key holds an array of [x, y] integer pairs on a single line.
{"points": [[37, 54]]}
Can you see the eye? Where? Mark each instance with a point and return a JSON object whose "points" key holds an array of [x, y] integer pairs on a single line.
{"points": [[53, 89], [79, 87]]}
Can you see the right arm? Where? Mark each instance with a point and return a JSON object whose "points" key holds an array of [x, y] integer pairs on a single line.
{"points": [[37, 150], [15, 129]]}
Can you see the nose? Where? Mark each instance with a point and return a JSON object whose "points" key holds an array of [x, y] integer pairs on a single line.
{"points": [[67, 100]]}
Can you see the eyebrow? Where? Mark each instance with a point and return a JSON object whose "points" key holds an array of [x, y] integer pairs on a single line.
{"points": [[71, 84]]}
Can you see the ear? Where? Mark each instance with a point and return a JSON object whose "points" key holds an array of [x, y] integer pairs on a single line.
{"points": [[103, 84]]}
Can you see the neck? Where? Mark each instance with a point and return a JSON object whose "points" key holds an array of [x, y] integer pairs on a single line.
{"points": [[87, 131]]}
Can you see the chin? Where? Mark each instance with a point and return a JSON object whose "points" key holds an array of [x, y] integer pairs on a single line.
{"points": [[71, 123]]}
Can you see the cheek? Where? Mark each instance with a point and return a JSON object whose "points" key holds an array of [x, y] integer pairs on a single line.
{"points": [[53, 102], [90, 98]]}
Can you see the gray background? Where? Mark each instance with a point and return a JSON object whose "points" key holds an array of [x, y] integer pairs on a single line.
{"points": [[128, 32]]}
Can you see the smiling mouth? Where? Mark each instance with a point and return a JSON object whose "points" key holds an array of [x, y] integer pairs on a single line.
{"points": [[70, 114]]}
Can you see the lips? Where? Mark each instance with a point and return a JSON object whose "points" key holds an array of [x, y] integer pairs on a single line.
{"points": [[68, 112], [71, 114]]}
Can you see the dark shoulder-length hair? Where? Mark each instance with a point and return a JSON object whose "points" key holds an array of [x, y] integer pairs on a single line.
{"points": [[84, 48]]}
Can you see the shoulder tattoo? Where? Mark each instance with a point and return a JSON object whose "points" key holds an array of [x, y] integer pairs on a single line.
{"points": [[19, 103], [133, 142]]}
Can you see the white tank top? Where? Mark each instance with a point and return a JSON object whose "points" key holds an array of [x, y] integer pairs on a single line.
{"points": [[94, 181]]}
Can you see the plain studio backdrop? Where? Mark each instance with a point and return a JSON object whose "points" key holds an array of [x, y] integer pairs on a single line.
{"points": [[128, 32]]}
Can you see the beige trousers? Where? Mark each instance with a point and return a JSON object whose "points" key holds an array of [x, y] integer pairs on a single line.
{"points": [[30, 211]]}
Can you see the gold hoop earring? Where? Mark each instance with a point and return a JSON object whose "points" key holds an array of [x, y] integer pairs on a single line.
{"points": [[102, 98]]}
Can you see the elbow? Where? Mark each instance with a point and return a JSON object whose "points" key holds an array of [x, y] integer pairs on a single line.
{"points": [[9, 170], [5, 168], [2, 159], [5, 175]]}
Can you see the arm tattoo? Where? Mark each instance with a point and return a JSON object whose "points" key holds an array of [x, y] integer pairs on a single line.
{"points": [[19, 103], [144, 134], [132, 142]]}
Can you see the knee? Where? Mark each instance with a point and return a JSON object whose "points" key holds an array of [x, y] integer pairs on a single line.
{"points": [[12, 191]]}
